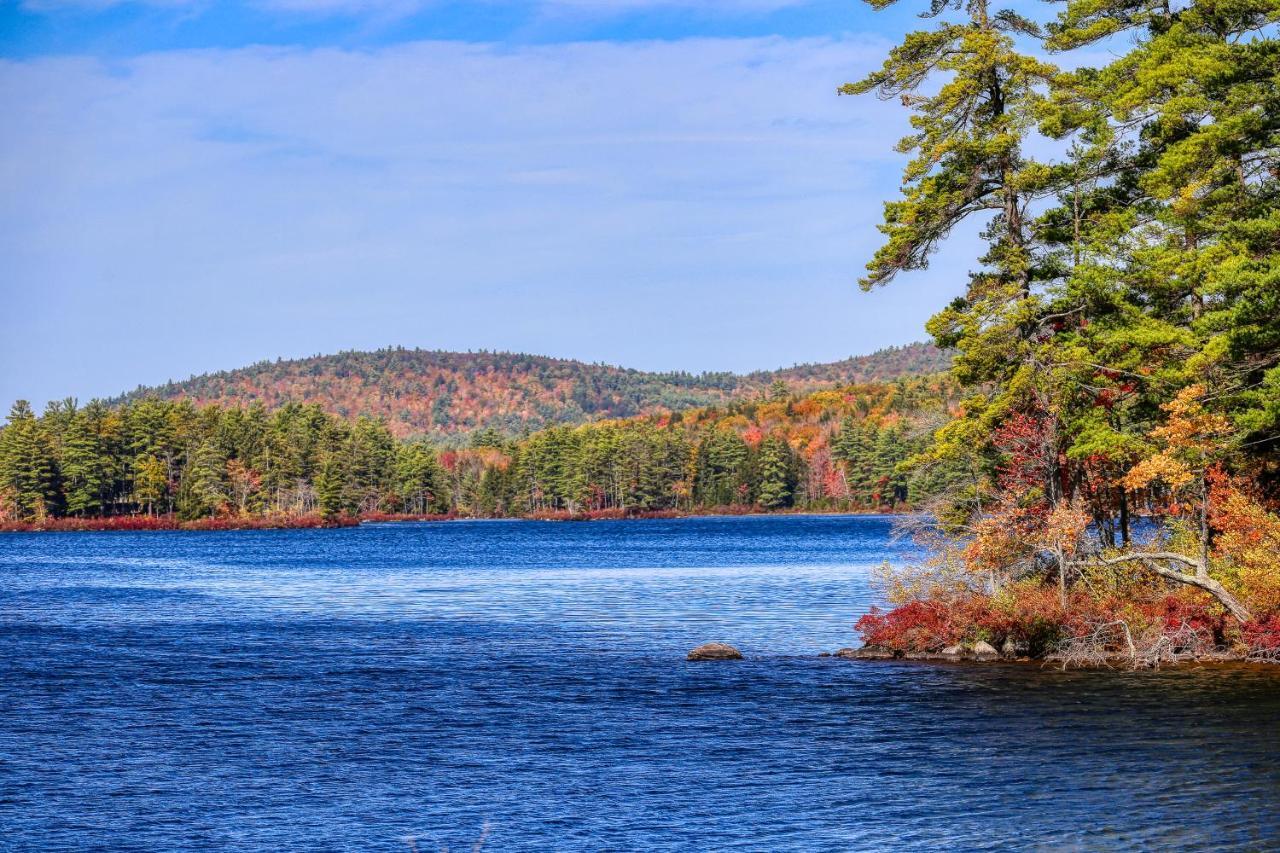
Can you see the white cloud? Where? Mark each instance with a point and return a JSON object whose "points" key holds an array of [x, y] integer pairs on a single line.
{"points": [[705, 6], [701, 203], [403, 8]]}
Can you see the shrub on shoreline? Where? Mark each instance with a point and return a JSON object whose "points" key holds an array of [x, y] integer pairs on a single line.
{"points": [[131, 523], [1029, 621]]}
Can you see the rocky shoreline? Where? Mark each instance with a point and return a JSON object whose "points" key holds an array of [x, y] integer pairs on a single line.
{"points": [[982, 652]]}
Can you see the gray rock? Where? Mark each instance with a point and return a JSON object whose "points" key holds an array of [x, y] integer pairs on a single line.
{"points": [[983, 650], [1012, 649], [953, 651], [715, 651]]}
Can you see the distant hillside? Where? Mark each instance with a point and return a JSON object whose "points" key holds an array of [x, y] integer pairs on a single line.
{"points": [[882, 366], [425, 392]]}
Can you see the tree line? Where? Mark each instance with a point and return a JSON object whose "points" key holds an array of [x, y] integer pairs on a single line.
{"points": [[827, 450]]}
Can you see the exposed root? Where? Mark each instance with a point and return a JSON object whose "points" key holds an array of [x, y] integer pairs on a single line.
{"points": [[1269, 655], [1116, 643]]}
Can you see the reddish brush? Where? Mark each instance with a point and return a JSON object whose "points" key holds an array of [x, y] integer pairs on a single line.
{"points": [[918, 626], [169, 522]]}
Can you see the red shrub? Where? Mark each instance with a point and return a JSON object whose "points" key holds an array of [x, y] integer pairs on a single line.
{"points": [[72, 524], [918, 626], [1262, 634], [169, 522]]}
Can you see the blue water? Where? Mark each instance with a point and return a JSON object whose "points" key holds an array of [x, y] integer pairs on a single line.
{"points": [[417, 686]]}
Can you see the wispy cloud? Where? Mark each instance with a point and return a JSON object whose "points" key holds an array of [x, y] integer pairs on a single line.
{"points": [[593, 199], [394, 8]]}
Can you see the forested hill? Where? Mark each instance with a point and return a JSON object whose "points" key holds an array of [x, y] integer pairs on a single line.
{"points": [[425, 392]]}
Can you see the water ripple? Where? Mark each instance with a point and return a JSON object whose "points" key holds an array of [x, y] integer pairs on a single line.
{"points": [[351, 689]]}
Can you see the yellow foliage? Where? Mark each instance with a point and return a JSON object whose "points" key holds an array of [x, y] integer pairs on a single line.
{"points": [[1188, 438], [1247, 547], [1163, 468], [1064, 527]]}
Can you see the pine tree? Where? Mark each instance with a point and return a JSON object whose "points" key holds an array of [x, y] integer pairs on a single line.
{"points": [[777, 474], [204, 490], [86, 465], [722, 477], [28, 472], [330, 488], [418, 478], [975, 99]]}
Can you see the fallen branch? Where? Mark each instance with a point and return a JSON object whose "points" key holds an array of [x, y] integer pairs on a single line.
{"points": [[1200, 580]]}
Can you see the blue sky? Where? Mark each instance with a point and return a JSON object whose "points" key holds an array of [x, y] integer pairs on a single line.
{"points": [[189, 186]]}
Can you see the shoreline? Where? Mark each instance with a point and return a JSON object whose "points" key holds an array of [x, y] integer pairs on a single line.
{"points": [[1225, 662], [151, 523], [969, 657]]}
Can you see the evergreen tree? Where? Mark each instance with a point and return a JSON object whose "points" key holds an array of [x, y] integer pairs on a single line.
{"points": [[330, 491], [86, 464], [418, 479], [203, 490], [722, 470], [777, 474], [28, 472]]}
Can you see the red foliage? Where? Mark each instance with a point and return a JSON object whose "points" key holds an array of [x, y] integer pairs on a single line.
{"points": [[1200, 616], [1262, 634], [115, 522], [419, 392], [1024, 441], [169, 522], [1031, 615], [918, 626], [269, 522]]}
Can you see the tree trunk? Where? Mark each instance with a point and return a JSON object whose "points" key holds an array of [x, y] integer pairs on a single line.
{"points": [[1203, 569], [1062, 577], [1124, 519]]}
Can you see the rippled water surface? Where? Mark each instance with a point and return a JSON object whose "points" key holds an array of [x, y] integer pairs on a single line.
{"points": [[394, 687]]}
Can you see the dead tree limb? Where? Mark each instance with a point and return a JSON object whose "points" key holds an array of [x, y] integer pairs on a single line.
{"points": [[1201, 580]]}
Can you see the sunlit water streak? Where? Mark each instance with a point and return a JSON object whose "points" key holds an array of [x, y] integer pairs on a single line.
{"points": [[346, 689]]}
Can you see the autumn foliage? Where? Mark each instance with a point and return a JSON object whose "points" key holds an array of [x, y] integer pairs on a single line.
{"points": [[441, 394]]}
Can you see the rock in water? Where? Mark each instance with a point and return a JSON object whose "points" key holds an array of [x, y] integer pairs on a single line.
{"points": [[715, 651], [954, 652]]}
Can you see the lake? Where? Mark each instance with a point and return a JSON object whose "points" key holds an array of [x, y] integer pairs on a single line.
{"points": [[421, 686]]}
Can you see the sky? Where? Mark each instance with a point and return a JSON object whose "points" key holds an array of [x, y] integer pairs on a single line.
{"points": [[188, 185]]}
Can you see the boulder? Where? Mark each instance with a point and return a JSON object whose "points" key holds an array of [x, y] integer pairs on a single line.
{"points": [[1012, 649], [983, 650], [955, 651], [714, 651]]}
